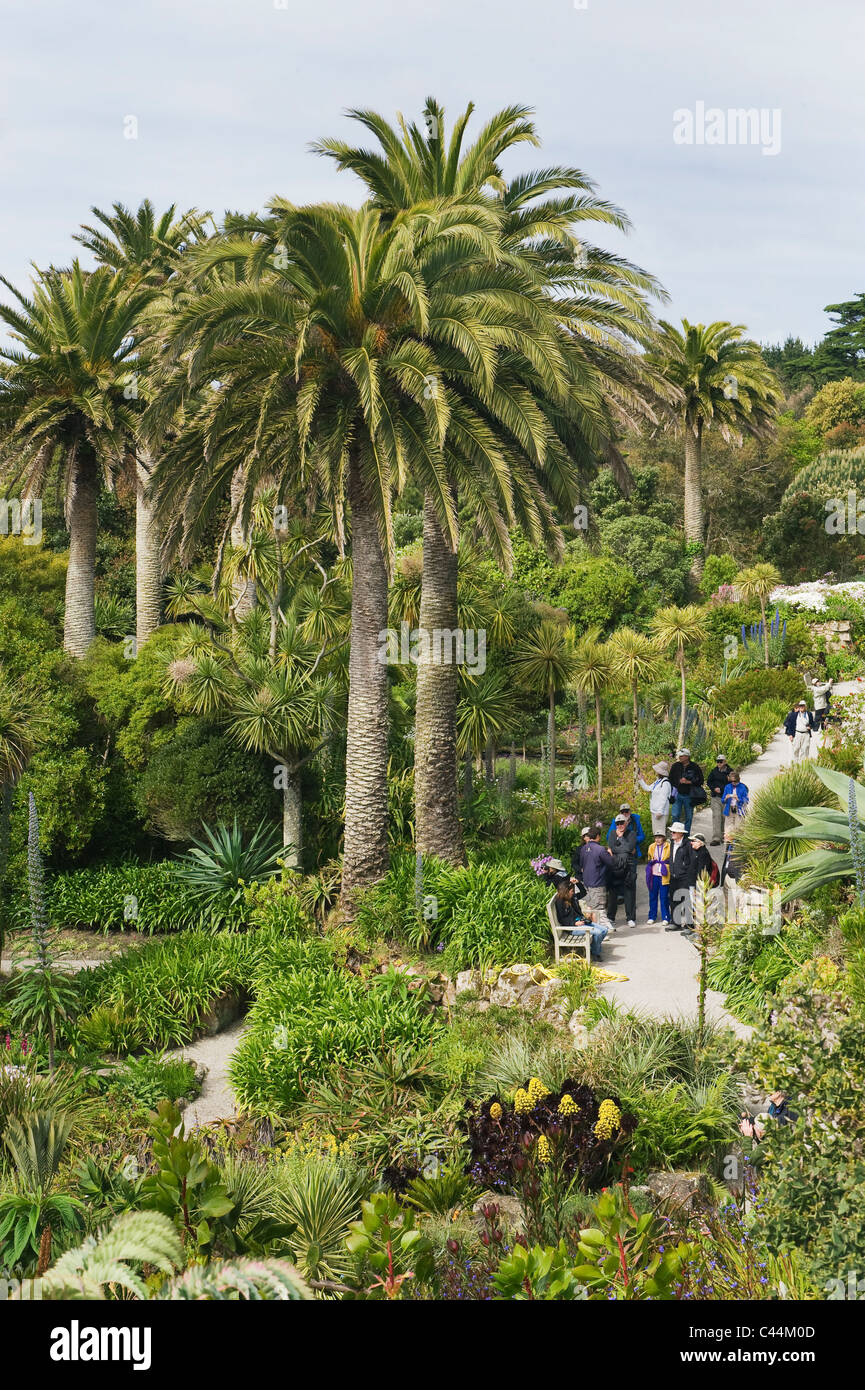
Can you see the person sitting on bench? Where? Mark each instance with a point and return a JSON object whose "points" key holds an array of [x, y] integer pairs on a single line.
{"points": [[568, 914]]}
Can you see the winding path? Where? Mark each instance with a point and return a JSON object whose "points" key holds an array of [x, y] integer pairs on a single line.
{"points": [[662, 967]]}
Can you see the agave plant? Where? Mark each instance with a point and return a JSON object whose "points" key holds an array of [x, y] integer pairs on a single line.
{"points": [[219, 867], [826, 826], [772, 814]]}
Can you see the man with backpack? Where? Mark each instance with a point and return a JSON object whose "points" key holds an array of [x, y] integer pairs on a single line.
{"points": [[687, 780], [799, 726]]}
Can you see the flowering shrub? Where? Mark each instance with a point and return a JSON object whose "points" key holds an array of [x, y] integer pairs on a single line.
{"points": [[584, 1133]]}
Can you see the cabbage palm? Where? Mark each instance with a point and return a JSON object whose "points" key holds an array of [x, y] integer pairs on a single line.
{"points": [[545, 662], [485, 709], [725, 385], [594, 674], [638, 661], [757, 582], [324, 346], [66, 398], [144, 250], [679, 628], [551, 429]]}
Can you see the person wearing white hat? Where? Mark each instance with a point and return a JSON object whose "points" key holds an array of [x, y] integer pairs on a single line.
{"points": [[660, 795], [687, 780], [681, 864]]}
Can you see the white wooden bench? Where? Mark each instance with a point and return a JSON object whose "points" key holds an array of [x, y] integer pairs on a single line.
{"points": [[575, 938]]}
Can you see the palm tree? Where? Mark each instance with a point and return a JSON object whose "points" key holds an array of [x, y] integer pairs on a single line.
{"points": [[679, 628], [725, 385], [68, 403], [532, 426], [638, 661], [485, 709], [324, 345], [757, 582], [143, 250], [544, 662], [594, 675]]}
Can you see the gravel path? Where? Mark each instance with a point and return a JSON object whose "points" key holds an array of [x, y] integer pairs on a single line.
{"points": [[662, 967], [216, 1101]]}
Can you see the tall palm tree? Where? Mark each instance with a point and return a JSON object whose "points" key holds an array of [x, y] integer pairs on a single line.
{"points": [[544, 662], [638, 662], [144, 250], [599, 308], [757, 582], [679, 628], [594, 675], [324, 346], [724, 385], [67, 400]]}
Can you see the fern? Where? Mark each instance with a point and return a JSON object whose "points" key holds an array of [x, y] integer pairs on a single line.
{"points": [[109, 1258]]}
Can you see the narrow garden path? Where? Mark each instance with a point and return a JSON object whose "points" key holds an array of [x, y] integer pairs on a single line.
{"points": [[216, 1101], [662, 967]]}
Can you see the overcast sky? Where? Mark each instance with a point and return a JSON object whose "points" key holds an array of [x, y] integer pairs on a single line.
{"points": [[228, 94]]}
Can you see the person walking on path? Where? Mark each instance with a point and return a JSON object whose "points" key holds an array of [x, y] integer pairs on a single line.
{"points": [[820, 691], [658, 879], [633, 820], [660, 795], [687, 780], [735, 801], [595, 865], [681, 864], [716, 782], [622, 876], [799, 726]]}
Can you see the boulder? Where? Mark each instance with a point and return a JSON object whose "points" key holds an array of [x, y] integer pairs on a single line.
{"points": [[687, 1192], [466, 980], [510, 1213]]}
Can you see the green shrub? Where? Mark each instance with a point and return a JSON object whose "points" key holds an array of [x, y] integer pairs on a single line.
{"points": [[199, 776], [757, 686], [812, 1173], [760, 837], [749, 967], [311, 1018], [127, 897], [158, 996], [149, 1079]]}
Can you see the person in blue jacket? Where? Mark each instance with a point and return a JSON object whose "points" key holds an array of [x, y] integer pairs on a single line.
{"points": [[735, 802], [634, 823]]}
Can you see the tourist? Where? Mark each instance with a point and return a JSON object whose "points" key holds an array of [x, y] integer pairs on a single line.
{"points": [[821, 692], [731, 871], [660, 795], [687, 780], [622, 874], [799, 726], [595, 864], [716, 782], [681, 856], [735, 801], [569, 914], [658, 879], [633, 819]]}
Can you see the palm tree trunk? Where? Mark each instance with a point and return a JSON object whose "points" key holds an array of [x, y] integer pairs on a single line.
{"points": [[490, 761], [598, 740], [551, 744], [245, 594], [292, 805], [437, 820], [366, 855], [468, 789], [681, 663], [636, 741], [148, 558], [694, 491], [79, 623], [512, 768]]}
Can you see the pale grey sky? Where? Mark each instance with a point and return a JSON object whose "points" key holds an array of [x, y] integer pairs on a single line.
{"points": [[228, 95]]}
